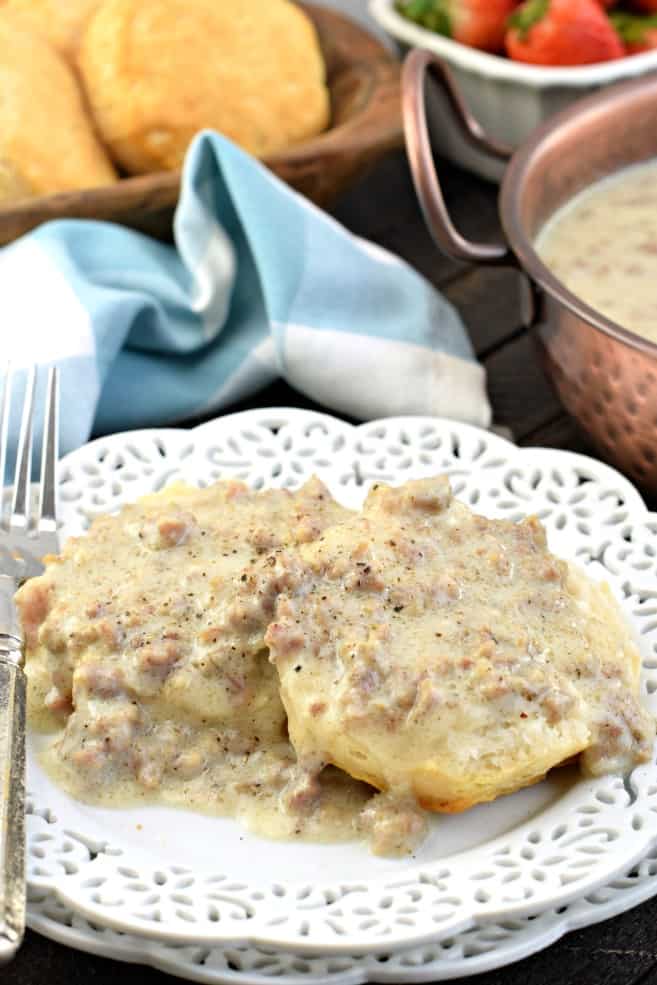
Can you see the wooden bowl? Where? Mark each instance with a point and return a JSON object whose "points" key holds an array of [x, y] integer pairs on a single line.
{"points": [[363, 78]]}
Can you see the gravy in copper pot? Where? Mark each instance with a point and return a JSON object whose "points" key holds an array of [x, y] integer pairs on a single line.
{"points": [[603, 246]]}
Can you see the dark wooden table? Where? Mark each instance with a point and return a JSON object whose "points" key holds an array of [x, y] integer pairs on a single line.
{"points": [[622, 951]]}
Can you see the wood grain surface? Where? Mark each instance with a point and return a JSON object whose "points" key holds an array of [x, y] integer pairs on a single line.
{"points": [[363, 79]]}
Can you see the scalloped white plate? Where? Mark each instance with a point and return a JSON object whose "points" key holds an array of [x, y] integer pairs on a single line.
{"points": [[482, 948], [180, 877]]}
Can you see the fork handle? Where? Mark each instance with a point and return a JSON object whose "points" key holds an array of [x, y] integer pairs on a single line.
{"points": [[12, 795]]}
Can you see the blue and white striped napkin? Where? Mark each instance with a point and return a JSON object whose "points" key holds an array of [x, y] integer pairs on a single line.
{"points": [[260, 284]]}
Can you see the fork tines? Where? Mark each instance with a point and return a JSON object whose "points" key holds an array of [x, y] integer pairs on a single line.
{"points": [[21, 518]]}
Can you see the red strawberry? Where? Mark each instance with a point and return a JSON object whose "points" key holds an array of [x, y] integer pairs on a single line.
{"points": [[649, 6], [562, 32], [477, 23], [637, 33]]}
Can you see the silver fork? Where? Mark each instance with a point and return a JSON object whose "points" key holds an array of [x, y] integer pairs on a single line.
{"points": [[25, 537]]}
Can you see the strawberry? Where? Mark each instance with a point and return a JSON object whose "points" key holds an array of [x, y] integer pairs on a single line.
{"points": [[562, 32], [637, 33], [648, 6], [477, 23]]}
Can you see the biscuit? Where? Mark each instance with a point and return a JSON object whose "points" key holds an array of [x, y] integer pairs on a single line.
{"points": [[158, 71], [60, 22], [47, 142], [433, 652], [13, 187], [140, 623]]}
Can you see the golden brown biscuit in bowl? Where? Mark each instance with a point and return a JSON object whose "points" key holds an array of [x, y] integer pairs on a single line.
{"points": [[363, 81], [60, 22], [47, 142], [159, 71]]}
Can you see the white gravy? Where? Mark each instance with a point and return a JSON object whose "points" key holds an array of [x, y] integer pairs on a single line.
{"points": [[603, 246]]}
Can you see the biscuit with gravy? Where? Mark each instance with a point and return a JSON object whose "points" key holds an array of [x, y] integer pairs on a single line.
{"points": [[448, 657]]}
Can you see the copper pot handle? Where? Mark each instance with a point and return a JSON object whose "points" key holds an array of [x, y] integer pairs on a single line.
{"points": [[420, 157]]}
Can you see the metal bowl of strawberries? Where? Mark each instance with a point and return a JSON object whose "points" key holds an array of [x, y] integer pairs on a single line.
{"points": [[516, 63]]}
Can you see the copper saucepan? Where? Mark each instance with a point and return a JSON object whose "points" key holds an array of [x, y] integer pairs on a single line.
{"points": [[605, 375]]}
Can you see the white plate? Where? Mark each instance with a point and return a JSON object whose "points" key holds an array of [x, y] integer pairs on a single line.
{"points": [[177, 876], [483, 948]]}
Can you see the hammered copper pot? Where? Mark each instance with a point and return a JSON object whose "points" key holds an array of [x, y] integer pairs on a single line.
{"points": [[605, 375]]}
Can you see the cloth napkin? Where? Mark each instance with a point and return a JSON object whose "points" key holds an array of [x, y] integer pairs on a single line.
{"points": [[259, 284]]}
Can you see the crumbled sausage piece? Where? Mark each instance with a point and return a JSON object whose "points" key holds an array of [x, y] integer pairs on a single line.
{"points": [[395, 825], [33, 601], [159, 658], [364, 578], [99, 681], [302, 791], [175, 530], [287, 637], [263, 539]]}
